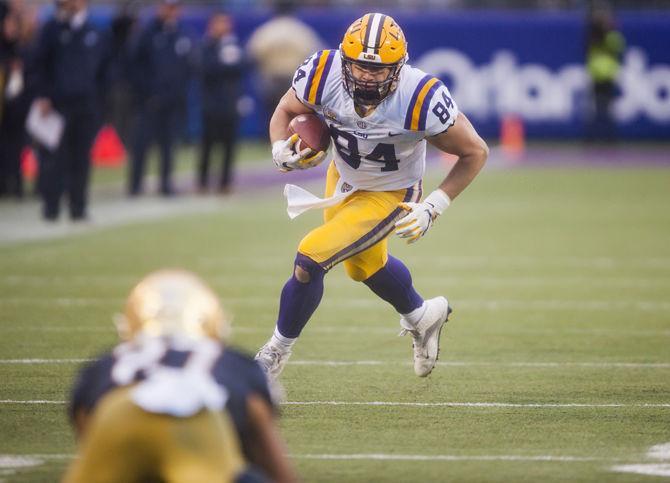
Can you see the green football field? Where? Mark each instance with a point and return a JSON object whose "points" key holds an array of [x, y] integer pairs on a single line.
{"points": [[554, 367]]}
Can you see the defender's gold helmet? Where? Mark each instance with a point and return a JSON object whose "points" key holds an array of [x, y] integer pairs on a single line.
{"points": [[373, 42], [172, 303]]}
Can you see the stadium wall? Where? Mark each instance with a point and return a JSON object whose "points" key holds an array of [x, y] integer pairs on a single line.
{"points": [[497, 63]]}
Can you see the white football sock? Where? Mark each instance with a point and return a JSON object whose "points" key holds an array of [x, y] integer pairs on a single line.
{"points": [[415, 315], [281, 342]]}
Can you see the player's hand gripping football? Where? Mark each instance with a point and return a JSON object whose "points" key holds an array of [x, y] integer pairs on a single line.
{"points": [[420, 216], [287, 159]]}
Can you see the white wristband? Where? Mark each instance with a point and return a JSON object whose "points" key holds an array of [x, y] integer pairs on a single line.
{"points": [[439, 200]]}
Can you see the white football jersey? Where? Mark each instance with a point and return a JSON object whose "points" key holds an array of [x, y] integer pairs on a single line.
{"points": [[385, 150]]}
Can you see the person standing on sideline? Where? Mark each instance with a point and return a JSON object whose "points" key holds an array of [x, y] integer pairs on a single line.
{"points": [[221, 70], [70, 63], [14, 98], [120, 110], [161, 74], [277, 47], [603, 62]]}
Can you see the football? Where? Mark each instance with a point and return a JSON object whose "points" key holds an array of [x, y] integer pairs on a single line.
{"points": [[312, 131]]}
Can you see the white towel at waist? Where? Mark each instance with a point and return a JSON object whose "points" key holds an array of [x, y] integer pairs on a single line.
{"points": [[300, 200]]}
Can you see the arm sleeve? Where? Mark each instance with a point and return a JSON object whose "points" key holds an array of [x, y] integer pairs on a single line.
{"points": [[259, 383], [442, 111], [92, 382]]}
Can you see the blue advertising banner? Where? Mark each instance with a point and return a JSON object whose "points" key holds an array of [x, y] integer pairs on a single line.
{"points": [[521, 63]]}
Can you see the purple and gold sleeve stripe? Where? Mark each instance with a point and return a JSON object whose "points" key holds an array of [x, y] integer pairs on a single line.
{"points": [[415, 119], [318, 75]]}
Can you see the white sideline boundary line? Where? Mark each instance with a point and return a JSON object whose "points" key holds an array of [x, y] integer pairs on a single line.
{"points": [[454, 404], [327, 363]]}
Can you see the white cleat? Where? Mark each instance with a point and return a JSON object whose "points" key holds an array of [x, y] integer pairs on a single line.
{"points": [[272, 360], [426, 334]]}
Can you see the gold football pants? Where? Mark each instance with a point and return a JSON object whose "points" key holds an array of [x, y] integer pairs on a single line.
{"points": [[355, 231], [125, 444]]}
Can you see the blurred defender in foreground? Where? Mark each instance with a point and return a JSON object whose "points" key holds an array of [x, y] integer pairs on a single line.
{"points": [[170, 403], [380, 112]]}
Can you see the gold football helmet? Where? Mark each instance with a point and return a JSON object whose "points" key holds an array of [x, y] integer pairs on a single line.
{"points": [[374, 44], [172, 303]]}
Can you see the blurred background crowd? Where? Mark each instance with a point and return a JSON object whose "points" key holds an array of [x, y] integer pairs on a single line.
{"points": [[133, 75]]}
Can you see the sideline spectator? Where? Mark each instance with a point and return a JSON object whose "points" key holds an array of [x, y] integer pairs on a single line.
{"points": [[161, 73], [17, 27], [278, 47], [221, 70], [70, 65], [604, 50], [120, 108]]}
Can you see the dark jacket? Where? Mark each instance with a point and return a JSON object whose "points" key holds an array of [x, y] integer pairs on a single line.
{"points": [[162, 63], [70, 64], [222, 67]]}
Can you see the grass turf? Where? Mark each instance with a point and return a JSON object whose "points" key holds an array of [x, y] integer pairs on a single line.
{"points": [[559, 279]]}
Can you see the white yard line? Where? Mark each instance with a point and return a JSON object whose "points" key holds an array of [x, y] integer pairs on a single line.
{"points": [[329, 363], [17, 461], [370, 303], [44, 361], [484, 262], [363, 329], [416, 404], [659, 452], [477, 404], [412, 457], [542, 329], [31, 401], [652, 469], [271, 281], [604, 365]]}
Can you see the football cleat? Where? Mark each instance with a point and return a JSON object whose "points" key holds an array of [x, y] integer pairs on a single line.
{"points": [[272, 360], [426, 334]]}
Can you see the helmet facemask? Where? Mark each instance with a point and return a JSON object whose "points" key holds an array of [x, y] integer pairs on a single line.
{"points": [[369, 92]]}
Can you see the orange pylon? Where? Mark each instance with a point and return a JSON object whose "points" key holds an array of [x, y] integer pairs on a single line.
{"points": [[512, 137], [108, 149]]}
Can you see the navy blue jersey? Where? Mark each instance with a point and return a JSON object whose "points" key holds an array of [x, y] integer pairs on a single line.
{"points": [[237, 373]]}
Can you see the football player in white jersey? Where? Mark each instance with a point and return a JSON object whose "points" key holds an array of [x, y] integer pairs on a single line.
{"points": [[380, 112]]}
